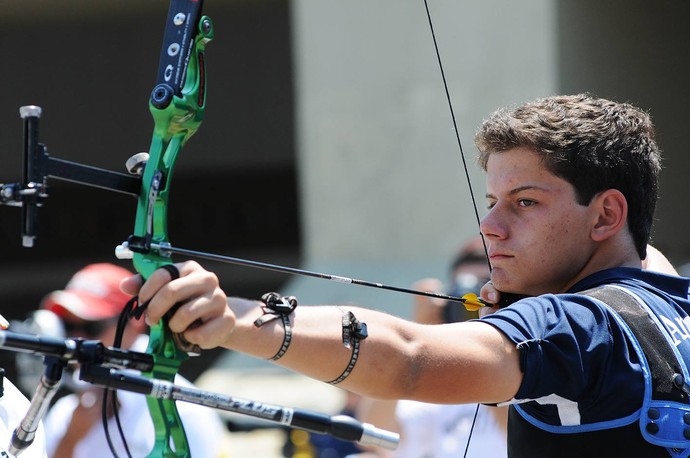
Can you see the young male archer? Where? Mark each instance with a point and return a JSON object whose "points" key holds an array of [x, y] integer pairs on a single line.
{"points": [[572, 188]]}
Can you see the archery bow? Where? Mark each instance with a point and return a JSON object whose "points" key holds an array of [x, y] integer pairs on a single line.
{"points": [[177, 105], [150, 237]]}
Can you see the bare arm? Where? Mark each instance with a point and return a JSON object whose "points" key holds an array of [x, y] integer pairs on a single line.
{"points": [[450, 363]]}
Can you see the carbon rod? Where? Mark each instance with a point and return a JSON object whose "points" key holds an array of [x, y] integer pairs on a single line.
{"points": [[165, 249]]}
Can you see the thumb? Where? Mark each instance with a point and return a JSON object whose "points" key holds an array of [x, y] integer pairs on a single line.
{"points": [[131, 285], [489, 293]]}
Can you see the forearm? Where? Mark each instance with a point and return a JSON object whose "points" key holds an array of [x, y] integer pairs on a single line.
{"points": [[399, 359], [317, 350]]}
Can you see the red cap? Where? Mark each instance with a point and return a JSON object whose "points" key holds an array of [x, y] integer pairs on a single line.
{"points": [[92, 294]]}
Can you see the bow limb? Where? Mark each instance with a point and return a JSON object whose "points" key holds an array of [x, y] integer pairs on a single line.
{"points": [[177, 105]]}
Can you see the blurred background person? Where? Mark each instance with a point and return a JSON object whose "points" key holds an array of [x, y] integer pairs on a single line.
{"points": [[443, 430], [467, 274], [89, 308], [13, 408]]}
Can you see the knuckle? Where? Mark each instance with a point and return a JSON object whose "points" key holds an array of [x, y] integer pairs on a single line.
{"points": [[182, 316], [190, 266], [220, 296]]}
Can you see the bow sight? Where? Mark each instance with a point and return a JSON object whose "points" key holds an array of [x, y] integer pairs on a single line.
{"points": [[38, 166]]}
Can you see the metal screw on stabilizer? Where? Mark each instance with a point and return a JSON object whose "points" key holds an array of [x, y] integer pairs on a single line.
{"points": [[30, 111]]}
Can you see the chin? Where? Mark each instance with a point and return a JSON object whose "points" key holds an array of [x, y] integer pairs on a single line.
{"points": [[505, 282], [500, 278]]}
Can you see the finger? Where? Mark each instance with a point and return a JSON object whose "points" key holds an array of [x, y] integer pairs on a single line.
{"points": [[489, 293], [164, 275], [192, 313], [499, 299], [172, 270], [212, 333], [131, 285], [485, 311], [160, 277], [194, 282]]}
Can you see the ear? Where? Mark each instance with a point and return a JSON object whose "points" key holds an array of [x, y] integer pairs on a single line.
{"points": [[611, 214]]}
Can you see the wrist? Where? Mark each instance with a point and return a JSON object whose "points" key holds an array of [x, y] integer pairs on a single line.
{"points": [[278, 308], [261, 342]]}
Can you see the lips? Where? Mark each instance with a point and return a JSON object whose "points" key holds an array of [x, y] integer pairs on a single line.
{"points": [[498, 256]]}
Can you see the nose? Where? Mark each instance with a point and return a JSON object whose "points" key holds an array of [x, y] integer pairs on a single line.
{"points": [[492, 225]]}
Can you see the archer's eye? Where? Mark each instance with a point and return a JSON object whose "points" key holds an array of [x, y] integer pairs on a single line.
{"points": [[526, 203]]}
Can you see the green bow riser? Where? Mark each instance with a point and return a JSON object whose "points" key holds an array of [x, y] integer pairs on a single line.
{"points": [[174, 125]]}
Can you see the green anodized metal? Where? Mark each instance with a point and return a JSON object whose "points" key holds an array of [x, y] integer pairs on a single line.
{"points": [[176, 119]]}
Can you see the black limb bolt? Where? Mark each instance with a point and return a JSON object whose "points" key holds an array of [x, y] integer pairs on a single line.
{"points": [[162, 95]]}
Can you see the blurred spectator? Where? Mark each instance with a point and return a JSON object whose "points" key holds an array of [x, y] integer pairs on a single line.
{"points": [[309, 445], [89, 307]]}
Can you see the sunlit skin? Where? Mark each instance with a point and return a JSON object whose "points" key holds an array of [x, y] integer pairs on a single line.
{"points": [[539, 238]]}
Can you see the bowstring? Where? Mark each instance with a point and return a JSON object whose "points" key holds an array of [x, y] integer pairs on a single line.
{"points": [[452, 115], [465, 168]]}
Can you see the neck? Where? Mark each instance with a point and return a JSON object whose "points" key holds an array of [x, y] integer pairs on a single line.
{"points": [[611, 253]]}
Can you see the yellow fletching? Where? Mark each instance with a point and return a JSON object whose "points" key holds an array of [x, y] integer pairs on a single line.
{"points": [[472, 302]]}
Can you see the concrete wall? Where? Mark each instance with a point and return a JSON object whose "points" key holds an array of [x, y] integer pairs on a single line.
{"points": [[383, 188]]}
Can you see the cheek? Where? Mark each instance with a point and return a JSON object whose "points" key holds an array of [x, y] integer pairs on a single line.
{"points": [[559, 233], [567, 235], [564, 232]]}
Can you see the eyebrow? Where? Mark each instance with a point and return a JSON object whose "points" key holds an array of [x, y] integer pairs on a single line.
{"points": [[518, 190]]}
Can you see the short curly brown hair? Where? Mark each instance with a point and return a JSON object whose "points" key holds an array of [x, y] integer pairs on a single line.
{"points": [[594, 144]]}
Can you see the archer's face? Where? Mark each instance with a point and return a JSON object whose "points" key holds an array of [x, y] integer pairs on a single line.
{"points": [[537, 235]]}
